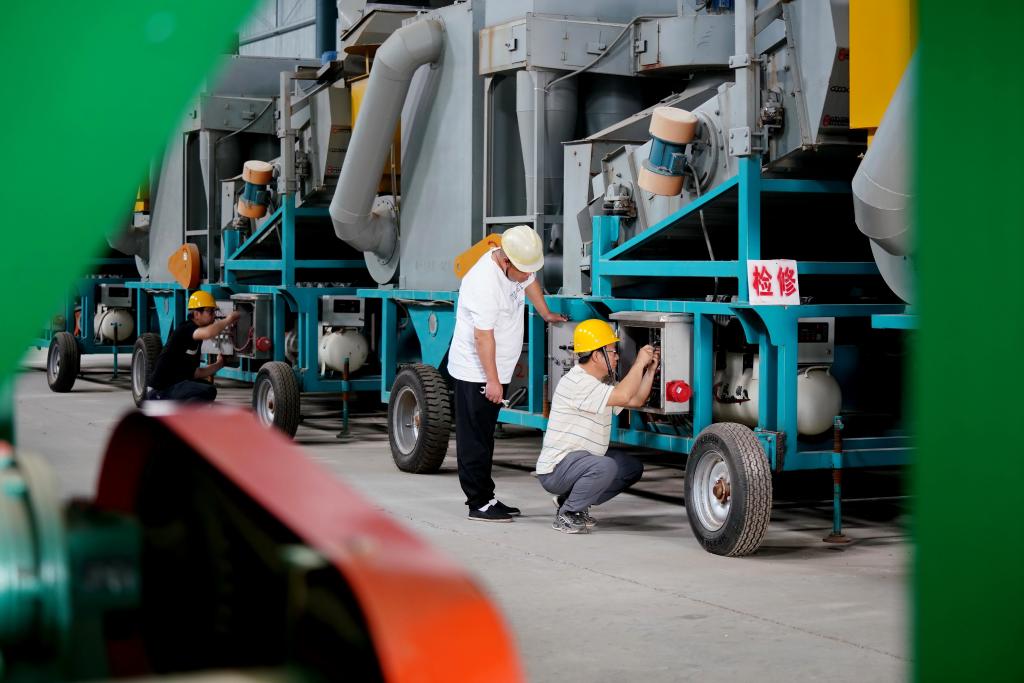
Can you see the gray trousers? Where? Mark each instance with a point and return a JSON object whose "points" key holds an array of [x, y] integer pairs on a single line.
{"points": [[584, 479]]}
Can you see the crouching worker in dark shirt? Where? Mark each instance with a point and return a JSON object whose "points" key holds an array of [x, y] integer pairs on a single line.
{"points": [[176, 374]]}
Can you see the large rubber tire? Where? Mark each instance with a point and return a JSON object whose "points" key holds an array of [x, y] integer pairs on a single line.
{"points": [[276, 397], [63, 361], [419, 419], [731, 518], [144, 355]]}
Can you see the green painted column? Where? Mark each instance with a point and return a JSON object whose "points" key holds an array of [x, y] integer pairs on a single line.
{"points": [[93, 92], [969, 564]]}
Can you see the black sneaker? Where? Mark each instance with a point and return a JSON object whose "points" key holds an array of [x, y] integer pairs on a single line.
{"points": [[489, 515], [570, 523], [507, 509], [559, 501]]}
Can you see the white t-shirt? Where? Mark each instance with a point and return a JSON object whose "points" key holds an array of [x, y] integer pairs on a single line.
{"points": [[488, 301], [580, 419]]}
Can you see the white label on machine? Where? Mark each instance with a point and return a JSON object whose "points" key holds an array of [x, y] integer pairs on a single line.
{"points": [[773, 283]]}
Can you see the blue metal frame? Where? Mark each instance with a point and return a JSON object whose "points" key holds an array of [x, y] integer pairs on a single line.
{"points": [[419, 306], [895, 321], [747, 183], [772, 328], [431, 321], [282, 221], [84, 295], [169, 299]]}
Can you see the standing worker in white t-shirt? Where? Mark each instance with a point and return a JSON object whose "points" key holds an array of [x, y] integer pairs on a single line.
{"points": [[575, 463], [486, 346]]}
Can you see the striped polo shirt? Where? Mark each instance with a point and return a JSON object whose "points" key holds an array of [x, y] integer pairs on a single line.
{"points": [[580, 419]]}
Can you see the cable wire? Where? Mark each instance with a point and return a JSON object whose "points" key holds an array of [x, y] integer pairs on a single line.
{"points": [[246, 126], [608, 49]]}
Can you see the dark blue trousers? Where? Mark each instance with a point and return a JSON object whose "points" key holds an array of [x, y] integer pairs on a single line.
{"points": [[189, 390]]}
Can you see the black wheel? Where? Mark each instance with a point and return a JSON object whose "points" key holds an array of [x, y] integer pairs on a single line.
{"points": [[419, 419], [728, 490], [63, 362], [147, 348], [275, 397]]}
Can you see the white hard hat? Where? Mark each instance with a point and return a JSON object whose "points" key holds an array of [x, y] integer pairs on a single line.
{"points": [[523, 247]]}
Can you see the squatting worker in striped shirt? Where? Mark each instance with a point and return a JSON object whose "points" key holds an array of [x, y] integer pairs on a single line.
{"points": [[575, 463]]}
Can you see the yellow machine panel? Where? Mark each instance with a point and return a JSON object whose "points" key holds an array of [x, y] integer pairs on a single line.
{"points": [[358, 89], [883, 35]]}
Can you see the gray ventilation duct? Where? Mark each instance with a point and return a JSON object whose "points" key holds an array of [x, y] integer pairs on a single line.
{"points": [[881, 191], [559, 125], [368, 225]]}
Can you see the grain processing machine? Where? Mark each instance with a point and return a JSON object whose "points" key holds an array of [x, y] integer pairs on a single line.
{"points": [[689, 166]]}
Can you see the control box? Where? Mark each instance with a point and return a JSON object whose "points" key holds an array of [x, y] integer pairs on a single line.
{"points": [[223, 343], [254, 331], [561, 357], [115, 296], [672, 334], [816, 341], [342, 311]]}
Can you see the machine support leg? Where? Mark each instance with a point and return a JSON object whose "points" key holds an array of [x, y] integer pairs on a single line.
{"points": [[7, 415], [116, 343], [837, 535], [344, 433]]}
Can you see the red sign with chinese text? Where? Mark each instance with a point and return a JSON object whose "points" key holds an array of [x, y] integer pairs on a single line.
{"points": [[773, 283]]}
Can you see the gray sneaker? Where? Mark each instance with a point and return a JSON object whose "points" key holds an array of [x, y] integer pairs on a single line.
{"points": [[570, 523], [560, 500]]}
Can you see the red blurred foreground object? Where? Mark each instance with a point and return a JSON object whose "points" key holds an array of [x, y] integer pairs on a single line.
{"points": [[426, 618]]}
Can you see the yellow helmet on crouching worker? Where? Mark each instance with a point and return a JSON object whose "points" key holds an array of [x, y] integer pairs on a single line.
{"points": [[591, 335], [201, 299], [524, 248]]}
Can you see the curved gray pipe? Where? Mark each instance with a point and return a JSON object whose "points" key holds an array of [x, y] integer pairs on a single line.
{"points": [[407, 49], [881, 189]]}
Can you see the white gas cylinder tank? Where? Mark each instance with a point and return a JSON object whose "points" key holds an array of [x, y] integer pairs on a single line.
{"points": [[113, 325], [819, 396], [818, 400], [748, 410], [337, 347], [723, 409]]}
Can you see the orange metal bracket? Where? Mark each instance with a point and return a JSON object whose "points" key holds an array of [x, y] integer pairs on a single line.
{"points": [[468, 258], [185, 265]]}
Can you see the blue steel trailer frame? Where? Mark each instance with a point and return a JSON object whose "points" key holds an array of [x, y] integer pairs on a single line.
{"points": [[83, 294], [288, 296], [773, 329]]}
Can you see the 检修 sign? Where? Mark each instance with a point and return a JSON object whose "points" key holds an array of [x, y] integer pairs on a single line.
{"points": [[773, 283]]}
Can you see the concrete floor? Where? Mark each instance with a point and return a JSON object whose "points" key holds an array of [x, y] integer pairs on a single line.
{"points": [[636, 600]]}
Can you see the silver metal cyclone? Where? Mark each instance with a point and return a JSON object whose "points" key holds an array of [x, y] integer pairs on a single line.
{"points": [[360, 220], [881, 191], [556, 126]]}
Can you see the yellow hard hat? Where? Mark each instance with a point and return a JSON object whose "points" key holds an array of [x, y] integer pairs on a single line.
{"points": [[591, 335], [523, 247], [201, 299]]}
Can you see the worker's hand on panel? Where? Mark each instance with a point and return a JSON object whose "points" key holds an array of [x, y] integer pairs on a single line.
{"points": [[645, 355], [233, 317], [655, 361], [555, 318]]}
